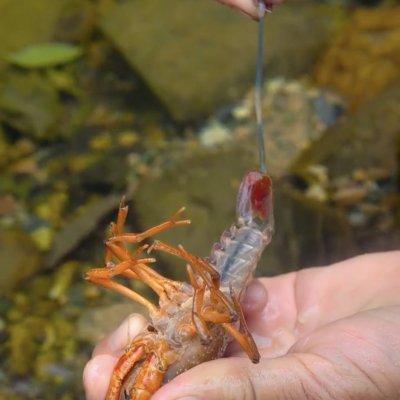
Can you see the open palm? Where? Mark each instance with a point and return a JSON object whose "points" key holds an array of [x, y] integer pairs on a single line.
{"points": [[324, 333]]}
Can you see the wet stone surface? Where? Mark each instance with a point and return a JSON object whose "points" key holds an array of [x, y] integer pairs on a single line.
{"points": [[359, 160], [183, 65], [368, 44]]}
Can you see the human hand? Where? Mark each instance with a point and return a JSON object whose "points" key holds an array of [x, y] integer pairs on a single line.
{"points": [[249, 7], [326, 333]]}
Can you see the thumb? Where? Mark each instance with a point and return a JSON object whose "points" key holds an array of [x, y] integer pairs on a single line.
{"points": [[298, 376]]}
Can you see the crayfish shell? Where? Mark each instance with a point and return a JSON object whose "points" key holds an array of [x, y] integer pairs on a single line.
{"points": [[197, 352]]}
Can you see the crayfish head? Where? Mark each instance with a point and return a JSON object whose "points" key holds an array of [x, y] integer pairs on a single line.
{"points": [[254, 201]]}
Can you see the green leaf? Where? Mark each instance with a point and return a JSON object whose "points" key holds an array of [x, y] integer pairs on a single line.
{"points": [[45, 55]]}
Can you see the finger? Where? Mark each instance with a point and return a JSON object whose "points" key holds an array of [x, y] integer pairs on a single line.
{"points": [[249, 7], [357, 357], [272, 326], [279, 311], [246, 6], [237, 378], [364, 348], [96, 376], [343, 289], [301, 302], [272, 321], [116, 342], [255, 298]]}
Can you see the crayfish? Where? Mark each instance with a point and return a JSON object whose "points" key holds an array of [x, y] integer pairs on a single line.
{"points": [[194, 321]]}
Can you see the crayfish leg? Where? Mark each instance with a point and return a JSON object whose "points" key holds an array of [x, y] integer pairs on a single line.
{"points": [[125, 291], [139, 237], [140, 371], [198, 266], [148, 379], [242, 335], [116, 228], [123, 367]]}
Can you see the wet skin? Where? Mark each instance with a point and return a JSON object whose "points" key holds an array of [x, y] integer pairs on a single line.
{"points": [[324, 333]]}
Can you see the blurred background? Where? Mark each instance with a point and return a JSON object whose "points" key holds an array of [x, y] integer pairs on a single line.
{"points": [[153, 99]]}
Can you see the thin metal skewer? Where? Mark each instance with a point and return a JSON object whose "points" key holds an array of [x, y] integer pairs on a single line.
{"points": [[258, 88]]}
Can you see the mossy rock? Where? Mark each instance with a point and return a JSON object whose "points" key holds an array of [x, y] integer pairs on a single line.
{"points": [[367, 139], [365, 59], [198, 55], [19, 258], [18, 28], [25, 341], [29, 103], [27, 22]]}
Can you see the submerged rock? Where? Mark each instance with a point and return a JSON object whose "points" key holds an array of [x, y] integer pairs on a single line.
{"points": [[365, 58], [365, 140], [79, 226], [17, 18], [196, 55], [360, 156], [19, 258], [295, 116], [25, 337], [214, 134], [29, 103]]}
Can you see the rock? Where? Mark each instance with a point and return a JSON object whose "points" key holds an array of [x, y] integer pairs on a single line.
{"points": [[49, 17], [79, 226], [307, 233], [292, 120], [95, 323], [8, 205], [25, 339], [365, 58], [19, 258], [290, 48], [360, 154], [188, 51], [62, 281], [350, 195], [29, 103], [4, 147], [76, 21], [17, 18], [366, 140], [214, 133], [317, 192]]}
